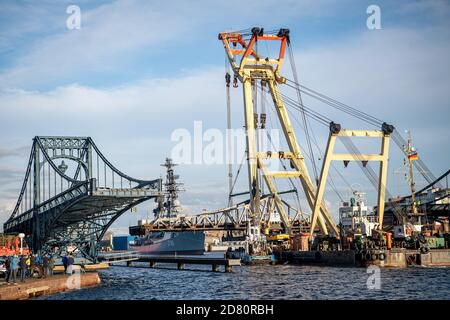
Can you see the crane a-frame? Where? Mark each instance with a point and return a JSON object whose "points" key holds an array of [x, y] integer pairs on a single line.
{"points": [[250, 68]]}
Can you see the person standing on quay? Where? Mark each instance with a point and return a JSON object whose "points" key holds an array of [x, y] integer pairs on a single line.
{"points": [[37, 259], [23, 267], [32, 263], [8, 269], [28, 261], [45, 265], [51, 265], [14, 267], [70, 262], [64, 261]]}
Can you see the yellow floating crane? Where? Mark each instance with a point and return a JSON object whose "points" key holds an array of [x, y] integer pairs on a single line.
{"points": [[254, 70], [251, 68]]}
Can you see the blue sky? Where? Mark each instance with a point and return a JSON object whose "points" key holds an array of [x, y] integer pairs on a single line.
{"points": [[137, 70]]}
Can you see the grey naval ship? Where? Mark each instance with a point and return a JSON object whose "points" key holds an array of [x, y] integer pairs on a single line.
{"points": [[188, 242]]}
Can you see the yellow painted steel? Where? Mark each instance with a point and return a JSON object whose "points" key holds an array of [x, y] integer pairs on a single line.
{"points": [[273, 190], [278, 237], [251, 143], [298, 160], [284, 174], [275, 155], [361, 133], [383, 158], [383, 177]]}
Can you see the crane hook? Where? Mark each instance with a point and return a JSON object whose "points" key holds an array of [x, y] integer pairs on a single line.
{"points": [[235, 82], [227, 79]]}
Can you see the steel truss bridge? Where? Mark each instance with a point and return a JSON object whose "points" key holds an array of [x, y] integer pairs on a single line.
{"points": [[238, 218], [74, 203]]}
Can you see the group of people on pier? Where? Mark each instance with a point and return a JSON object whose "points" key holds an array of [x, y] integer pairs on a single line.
{"points": [[26, 265]]}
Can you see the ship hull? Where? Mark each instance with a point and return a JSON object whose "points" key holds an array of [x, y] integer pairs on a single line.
{"points": [[188, 242]]}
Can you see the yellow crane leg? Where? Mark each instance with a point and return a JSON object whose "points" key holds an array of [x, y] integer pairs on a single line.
{"points": [[251, 146], [322, 181], [383, 177], [273, 190]]}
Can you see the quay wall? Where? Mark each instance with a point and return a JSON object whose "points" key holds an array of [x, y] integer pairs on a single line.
{"points": [[50, 285]]}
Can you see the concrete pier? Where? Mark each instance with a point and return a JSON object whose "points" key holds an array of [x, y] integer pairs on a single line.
{"points": [[439, 257], [54, 284]]}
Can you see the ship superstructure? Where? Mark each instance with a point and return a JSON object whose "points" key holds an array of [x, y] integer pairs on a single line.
{"points": [[355, 216]]}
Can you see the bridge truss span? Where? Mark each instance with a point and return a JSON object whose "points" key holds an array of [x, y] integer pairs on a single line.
{"points": [[235, 218]]}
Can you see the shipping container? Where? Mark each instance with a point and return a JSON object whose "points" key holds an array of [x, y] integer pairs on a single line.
{"points": [[122, 242], [436, 243]]}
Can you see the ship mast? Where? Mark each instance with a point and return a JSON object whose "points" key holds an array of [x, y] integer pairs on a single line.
{"points": [[169, 205]]}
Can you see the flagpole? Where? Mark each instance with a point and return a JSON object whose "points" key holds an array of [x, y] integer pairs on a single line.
{"points": [[411, 155]]}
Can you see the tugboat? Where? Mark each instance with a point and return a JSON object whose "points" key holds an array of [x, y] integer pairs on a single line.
{"points": [[186, 242]]}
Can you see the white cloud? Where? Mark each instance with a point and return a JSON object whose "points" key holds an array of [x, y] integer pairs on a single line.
{"points": [[106, 32], [119, 32]]}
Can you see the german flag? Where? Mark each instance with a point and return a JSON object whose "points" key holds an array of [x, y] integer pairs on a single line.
{"points": [[413, 156]]}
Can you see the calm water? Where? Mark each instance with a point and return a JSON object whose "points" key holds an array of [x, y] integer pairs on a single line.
{"points": [[264, 282]]}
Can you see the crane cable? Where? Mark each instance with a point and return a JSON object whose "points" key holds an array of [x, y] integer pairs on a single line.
{"points": [[237, 175], [331, 180], [420, 165], [311, 114], [302, 107], [230, 165], [300, 101], [398, 139], [335, 103], [321, 119], [306, 127]]}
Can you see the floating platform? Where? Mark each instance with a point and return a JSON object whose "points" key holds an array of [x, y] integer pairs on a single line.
{"points": [[395, 258], [45, 286], [181, 261]]}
